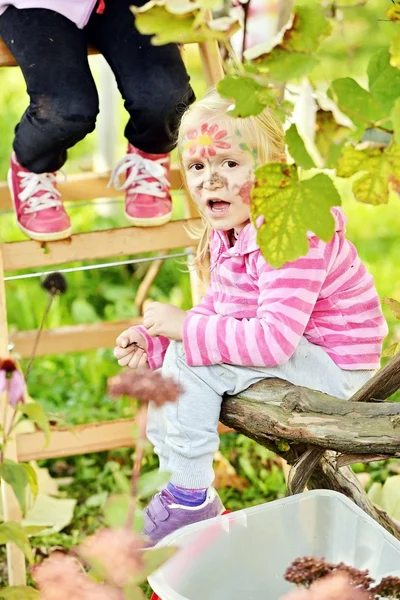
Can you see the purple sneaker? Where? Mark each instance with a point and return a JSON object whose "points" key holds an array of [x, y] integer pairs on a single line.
{"points": [[163, 516]]}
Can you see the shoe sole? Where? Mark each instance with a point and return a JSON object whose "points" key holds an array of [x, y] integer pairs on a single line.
{"points": [[150, 222], [37, 237]]}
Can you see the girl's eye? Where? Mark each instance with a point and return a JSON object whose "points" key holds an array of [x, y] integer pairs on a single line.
{"points": [[231, 164], [196, 167]]}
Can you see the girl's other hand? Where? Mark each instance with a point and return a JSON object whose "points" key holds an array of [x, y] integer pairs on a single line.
{"points": [[131, 350], [164, 319]]}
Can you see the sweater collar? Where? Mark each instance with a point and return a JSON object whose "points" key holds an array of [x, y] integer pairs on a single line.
{"points": [[246, 241]]}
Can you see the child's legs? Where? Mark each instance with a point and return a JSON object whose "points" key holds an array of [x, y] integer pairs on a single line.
{"points": [[52, 54], [152, 79]]}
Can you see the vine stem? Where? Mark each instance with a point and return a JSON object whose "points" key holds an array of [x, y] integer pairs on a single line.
{"points": [[38, 334], [142, 421]]}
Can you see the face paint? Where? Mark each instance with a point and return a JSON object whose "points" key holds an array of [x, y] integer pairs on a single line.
{"points": [[219, 175]]}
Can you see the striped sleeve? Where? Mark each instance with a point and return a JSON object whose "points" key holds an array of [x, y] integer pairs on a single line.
{"points": [[156, 347], [287, 297]]}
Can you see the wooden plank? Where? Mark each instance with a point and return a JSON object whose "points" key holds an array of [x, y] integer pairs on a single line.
{"points": [[7, 59], [74, 338], [86, 186], [111, 243], [80, 439]]}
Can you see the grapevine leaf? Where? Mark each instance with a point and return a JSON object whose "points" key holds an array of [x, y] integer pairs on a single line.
{"points": [[395, 51], [16, 476], [381, 171], [330, 137], [392, 350], [384, 80], [294, 55], [151, 19], [291, 208], [395, 118], [297, 149], [394, 306], [355, 102], [393, 12], [250, 97], [19, 592], [10, 531]]}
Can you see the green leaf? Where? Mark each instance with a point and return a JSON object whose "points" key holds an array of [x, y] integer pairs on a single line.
{"points": [[291, 208], [37, 414], [83, 312], [153, 559], [297, 149], [16, 476], [381, 171], [391, 496], [384, 80], [19, 592], [355, 102], [244, 91], [10, 531], [32, 478], [116, 512], [395, 51], [330, 137], [50, 514], [152, 481], [151, 20], [395, 118], [32, 530], [119, 476], [132, 592], [294, 55]]}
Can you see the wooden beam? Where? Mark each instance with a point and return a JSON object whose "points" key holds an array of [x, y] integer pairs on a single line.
{"points": [[111, 243], [80, 439], [86, 186], [74, 338]]}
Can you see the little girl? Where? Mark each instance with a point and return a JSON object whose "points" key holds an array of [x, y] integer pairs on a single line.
{"points": [[49, 40], [315, 322]]}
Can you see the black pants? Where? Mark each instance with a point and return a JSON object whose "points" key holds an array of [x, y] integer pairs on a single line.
{"points": [[52, 54]]}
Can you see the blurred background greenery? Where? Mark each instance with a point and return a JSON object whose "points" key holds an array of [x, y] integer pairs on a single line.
{"points": [[73, 386]]}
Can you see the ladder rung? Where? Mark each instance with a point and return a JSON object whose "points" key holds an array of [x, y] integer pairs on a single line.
{"points": [[86, 186], [80, 439], [109, 243], [73, 338]]}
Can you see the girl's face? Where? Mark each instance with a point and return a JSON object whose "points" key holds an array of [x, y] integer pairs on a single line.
{"points": [[219, 169]]}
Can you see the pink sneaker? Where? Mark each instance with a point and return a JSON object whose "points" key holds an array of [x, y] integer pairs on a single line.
{"points": [[37, 204], [147, 198]]}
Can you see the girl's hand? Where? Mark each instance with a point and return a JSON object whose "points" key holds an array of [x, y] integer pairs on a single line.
{"points": [[131, 350], [164, 319]]}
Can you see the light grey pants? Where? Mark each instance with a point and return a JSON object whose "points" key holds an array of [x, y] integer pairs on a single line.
{"points": [[184, 434]]}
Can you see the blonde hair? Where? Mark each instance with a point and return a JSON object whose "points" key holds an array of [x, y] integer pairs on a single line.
{"points": [[262, 133]]}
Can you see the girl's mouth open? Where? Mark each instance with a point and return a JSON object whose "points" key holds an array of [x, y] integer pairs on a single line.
{"points": [[218, 207]]}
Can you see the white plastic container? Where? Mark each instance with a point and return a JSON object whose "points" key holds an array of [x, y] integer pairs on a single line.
{"points": [[243, 555]]}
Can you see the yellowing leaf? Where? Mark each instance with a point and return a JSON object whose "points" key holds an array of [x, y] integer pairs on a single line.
{"points": [[294, 55], [330, 137], [291, 208], [395, 51], [393, 12], [391, 351], [19, 592], [394, 305], [381, 169], [165, 27], [395, 117]]}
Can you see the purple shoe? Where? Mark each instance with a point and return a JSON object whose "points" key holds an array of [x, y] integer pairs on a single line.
{"points": [[163, 516]]}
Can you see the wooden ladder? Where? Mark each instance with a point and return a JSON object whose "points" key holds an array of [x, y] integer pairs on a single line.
{"points": [[30, 254]]}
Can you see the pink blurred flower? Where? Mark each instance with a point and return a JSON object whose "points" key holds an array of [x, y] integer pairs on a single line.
{"points": [[60, 577], [116, 552], [146, 386], [12, 381]]}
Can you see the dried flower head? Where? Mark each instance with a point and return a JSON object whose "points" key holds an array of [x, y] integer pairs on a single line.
{"points": [[60, 577], [117, 554], [146, 386], [336, 586], [12, 381], [305, 570], [389, 587], [54, 283]]}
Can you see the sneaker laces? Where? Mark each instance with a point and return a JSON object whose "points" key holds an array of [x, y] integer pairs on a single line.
{"points": [[39, 191], [140, 170]]}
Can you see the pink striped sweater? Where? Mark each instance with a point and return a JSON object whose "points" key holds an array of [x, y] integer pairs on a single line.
{"points": [[254, 315]]}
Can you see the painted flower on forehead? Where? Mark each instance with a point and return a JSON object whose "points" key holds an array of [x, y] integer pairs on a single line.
{"points": [[12, 381], [206, 140]]}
